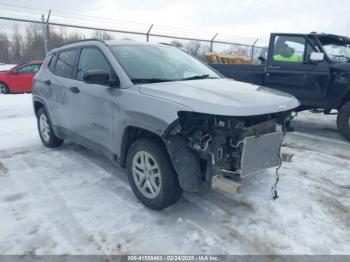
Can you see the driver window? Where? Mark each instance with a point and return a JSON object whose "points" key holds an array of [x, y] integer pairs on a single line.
{"points": [[91, 58], [289, 49]]}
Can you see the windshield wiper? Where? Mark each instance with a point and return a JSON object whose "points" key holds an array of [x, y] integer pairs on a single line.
{"points": [[150, 80], [198, 77]]}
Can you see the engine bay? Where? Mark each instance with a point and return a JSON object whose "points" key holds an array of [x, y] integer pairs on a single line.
{"points": [[219, 141]]}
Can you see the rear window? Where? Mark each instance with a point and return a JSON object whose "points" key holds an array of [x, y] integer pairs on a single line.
{"points": [[52, 62], [65, 63]]}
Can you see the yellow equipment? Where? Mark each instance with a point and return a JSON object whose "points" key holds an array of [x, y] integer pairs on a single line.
{"points": [[216, 58]]}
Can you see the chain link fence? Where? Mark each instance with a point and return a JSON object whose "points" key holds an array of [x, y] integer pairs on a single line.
{"points": [[23, 39]]}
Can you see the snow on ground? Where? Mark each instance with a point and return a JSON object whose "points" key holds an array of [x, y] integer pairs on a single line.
{"points": [[73, 201]]}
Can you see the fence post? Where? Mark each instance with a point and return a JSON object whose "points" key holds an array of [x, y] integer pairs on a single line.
{"points": [[48, 36], [149, 30], [44, 33], [212, 41], [253, 47]]}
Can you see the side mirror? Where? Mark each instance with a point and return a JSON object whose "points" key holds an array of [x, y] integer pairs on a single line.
{"points": [[316, 57], [100, 77], [262, 59]]}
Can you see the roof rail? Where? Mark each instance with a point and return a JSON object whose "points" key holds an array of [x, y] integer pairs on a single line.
{"points": [[82, 40]]}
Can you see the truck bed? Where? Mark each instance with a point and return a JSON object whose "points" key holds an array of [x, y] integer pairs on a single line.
{"points": [[242, 72]]}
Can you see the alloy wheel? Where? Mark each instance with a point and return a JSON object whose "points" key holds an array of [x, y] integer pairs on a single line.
{"points": [[146, 174], [3, 89], [44, 128]]}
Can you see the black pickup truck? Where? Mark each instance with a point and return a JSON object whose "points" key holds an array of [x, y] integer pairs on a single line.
{"points": [[313, 67]]}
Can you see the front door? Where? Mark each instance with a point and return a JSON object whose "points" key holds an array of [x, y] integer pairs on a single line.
{"points": [[23, 78], [93, 105], [289, 69]]}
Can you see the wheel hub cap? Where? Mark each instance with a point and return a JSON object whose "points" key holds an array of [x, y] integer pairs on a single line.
{"points": [[146, 174], [44, 128], [2, 89]]}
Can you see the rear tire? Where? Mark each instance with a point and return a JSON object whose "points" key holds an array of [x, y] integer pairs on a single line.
{"points": [[343, 120], [46, 132], [4, 88], [151, 175]]}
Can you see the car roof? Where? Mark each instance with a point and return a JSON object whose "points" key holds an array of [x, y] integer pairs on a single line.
{"points": [[35, 62], [82, 42], [315, 34]]}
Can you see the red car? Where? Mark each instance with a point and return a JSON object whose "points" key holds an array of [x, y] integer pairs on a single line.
{"points": [[19, 79]]}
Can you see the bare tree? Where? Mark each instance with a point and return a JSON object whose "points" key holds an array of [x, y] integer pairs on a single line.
{"points": [[4, 48], [102, 35], [176, 43], [194, 48], [16, 47], [34, 48], [56, 38]]}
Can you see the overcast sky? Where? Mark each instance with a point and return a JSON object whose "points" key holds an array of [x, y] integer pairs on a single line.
{"points": [[249, 18]]}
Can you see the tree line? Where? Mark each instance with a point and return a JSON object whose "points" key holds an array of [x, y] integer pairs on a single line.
{"points": [[29, 44]]}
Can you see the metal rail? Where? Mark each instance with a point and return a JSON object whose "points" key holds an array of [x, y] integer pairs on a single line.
{"points": [[147, 34]]}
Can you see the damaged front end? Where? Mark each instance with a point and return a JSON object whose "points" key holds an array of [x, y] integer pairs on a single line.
{"points": [[204, 146]]}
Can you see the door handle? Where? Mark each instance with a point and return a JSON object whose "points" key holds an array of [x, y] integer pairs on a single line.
{"points": [[74, 89], [273, 67], [47, 82]]}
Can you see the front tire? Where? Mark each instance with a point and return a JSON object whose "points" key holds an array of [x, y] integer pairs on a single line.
{"points": [[343, 120], [151, 175], [4, 88], [46, 132]]}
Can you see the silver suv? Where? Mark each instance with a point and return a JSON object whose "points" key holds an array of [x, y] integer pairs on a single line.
{"points": [[173, 122]]}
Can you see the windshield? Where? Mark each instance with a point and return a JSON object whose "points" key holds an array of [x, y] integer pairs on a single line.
{"points": [[157, 63], [337, 48]]}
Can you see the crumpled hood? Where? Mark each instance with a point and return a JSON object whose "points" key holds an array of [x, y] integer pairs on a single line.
{"points": [[222, 97]]}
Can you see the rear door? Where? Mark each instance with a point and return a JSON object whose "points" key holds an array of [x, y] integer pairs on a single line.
{"points": [[289, 68], [23, 78], [57, 82], [93, 105]]}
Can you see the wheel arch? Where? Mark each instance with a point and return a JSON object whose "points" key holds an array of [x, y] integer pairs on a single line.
{"points": [[39, 103], [185, 162], [344, 100], [133, 132]]}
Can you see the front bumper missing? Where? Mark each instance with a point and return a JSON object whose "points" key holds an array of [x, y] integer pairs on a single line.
{"points": [[261, 152]]}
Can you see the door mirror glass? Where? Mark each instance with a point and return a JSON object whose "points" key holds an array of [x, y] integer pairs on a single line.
{"points": [[316, 56], [99, 77]]}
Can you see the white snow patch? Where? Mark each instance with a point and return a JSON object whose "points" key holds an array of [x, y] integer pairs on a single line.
{"points": [[71, 200]]}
